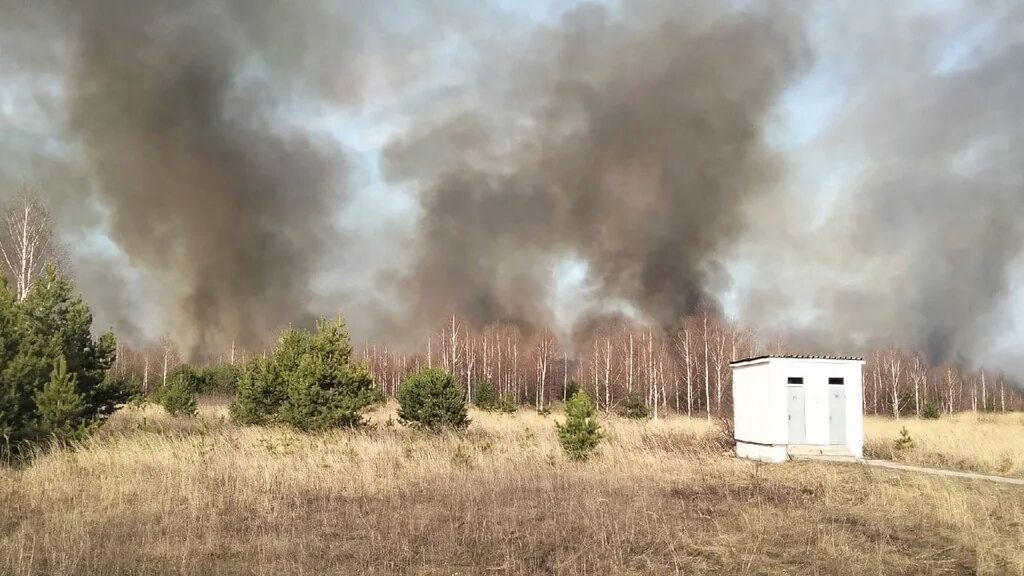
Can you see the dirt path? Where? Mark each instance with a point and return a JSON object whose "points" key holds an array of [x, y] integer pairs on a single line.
{"points": [[938, 472]]}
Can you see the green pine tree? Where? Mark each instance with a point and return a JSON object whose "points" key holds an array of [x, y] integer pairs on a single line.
{"points": [[53, 373], [580, 434], [59, 406], [485, 397], [311, 383], [431, 399], [59, 323], [635, 408], [260, 393], [178, 398], [17, 376]]}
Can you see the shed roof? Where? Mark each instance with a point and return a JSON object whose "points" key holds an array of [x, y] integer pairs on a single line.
{"points": [[796, 357]]}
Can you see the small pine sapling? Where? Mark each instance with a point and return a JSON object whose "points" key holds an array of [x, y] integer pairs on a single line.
{"points": [[580, 434], [904, 442], [635, 408], [485, 397], [178, 398], [507, 404], [930, 412], [432, 399]]}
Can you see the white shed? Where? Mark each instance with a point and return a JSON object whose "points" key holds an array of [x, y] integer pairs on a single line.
{"points": [[798, 405]]}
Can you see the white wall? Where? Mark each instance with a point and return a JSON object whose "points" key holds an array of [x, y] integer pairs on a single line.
{"points": [[759, 407]]}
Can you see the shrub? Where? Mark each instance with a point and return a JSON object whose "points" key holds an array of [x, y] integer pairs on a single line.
{"points": [[930, 412], [178, 398], [214, 378], [571, 389], [508, 404], [904, 442], [219, 378], [260, 393], [580, 434], [432, 399], [485, 397], [310, 383], [635, 407], [189, 375]]}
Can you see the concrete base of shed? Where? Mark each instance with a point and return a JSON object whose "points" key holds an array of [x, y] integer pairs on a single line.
{"points": [[801, 451], [763, 452], [783, 452]]}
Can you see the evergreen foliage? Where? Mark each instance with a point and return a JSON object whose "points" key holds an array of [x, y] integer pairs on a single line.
{"points": [[433, 400], [485, 397], [930, 412], [571, 389], [53, 374], [179, 397], [311, 383], [60, 407], [260, 393], [219, 378], [508, 405], [189, 376], [904, 441], [580, 434], [634, 407]]}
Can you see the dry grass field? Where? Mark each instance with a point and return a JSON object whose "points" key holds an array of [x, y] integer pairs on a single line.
{"points": [[155, 495], [985, 443]]}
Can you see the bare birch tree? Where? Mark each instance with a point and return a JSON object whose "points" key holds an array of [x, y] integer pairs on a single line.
{"points": [[543, 351], [918, 374], [707, 372], [683, 346], [27, 242]]}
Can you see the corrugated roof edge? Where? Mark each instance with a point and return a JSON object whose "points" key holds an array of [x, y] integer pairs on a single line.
{"points": [[796, 357]]}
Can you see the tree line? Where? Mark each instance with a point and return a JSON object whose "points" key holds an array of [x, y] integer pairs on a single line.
{"points": [[684, 370]]}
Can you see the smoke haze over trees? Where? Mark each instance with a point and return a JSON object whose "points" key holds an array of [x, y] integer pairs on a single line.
{"points": [[846, 175]]}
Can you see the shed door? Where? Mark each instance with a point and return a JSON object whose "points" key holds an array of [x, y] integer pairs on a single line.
{"points": [[797, 420], [837, 414]]}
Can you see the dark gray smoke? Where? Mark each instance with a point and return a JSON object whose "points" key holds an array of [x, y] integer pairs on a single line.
{"points": [[629, 141], [223, 204], [228, 212], [187, 132], [921, 242], [640, 141]]}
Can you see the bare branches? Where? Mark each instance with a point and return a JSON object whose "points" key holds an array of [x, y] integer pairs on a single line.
{"points": [[690, 365], [27, 242]]}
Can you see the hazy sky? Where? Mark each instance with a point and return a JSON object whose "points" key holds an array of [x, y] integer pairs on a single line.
{"points": [[858, 234]]}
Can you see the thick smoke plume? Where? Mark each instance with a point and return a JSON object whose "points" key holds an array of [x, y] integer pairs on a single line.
{"points": [[227, 211], [643, 139], [225, 208], [920, 246], [647, 143]]}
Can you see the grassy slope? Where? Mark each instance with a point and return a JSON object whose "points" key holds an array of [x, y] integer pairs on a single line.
{"points": [[152, 495]]}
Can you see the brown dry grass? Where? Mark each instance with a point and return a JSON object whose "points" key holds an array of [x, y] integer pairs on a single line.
{"points": [[154, 495], [985, 443]]}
